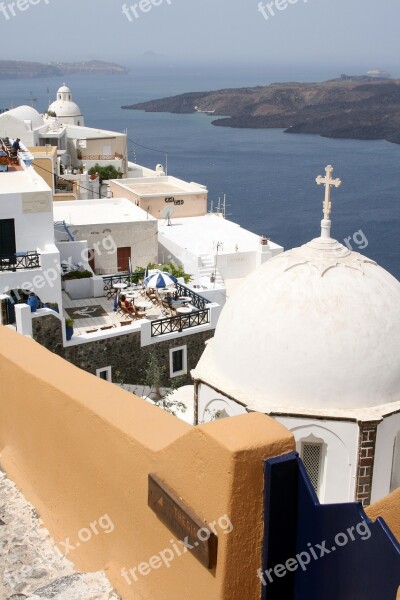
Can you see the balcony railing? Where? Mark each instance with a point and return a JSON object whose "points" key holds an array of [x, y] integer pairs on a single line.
{"points": [[196, 300], [110, 280], [20, 261], [179, 323]]}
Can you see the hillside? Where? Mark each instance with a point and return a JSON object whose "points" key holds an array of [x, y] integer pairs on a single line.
{"points": [[350, 107], [13, 69]]}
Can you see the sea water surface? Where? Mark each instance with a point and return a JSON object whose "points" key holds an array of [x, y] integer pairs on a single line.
{"points": [[268, 175]]}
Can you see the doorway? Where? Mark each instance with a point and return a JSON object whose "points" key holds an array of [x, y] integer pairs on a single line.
{"points": [[123, 258]]}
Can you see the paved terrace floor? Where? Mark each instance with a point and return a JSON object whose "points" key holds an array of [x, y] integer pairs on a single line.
{"points": [[109, 319]]}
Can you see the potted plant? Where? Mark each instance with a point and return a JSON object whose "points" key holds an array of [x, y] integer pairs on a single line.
{"points": [[3, 163], [52, 306], [78, 284], [69, 328], [79, 153], [33, 302]]}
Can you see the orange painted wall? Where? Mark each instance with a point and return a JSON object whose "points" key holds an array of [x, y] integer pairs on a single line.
{"points": [[80, 448], [389, 509]]}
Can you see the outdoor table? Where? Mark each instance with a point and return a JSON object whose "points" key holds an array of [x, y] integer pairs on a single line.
{"points": [[184, 310], [143, 304], [185, 298], [119, 286], [176, 303], [129, 294]]}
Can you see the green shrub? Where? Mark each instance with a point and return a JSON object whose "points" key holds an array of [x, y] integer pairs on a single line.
{"points": [[77, 275]]}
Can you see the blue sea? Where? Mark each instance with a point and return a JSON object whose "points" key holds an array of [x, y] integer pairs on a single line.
{"points": [[268, 175]]}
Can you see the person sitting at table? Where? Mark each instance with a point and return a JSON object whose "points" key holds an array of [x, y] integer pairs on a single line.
{"points": [[169, 299], [16, 147], [126, 303]]}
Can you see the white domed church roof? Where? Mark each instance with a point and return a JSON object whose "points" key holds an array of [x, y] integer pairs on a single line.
{"points": [[64, 105], [315, 327], [65, 108]]}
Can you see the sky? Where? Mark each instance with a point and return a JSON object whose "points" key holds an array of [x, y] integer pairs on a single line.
{"points": [[343, 33]]}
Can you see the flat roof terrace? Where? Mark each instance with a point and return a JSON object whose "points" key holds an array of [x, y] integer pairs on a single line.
{"points": [[201, 234], [99, 212], [161, 186]]}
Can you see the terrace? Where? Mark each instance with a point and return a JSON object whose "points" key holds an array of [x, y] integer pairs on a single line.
{"points": [[95, 315], [10, 159]]}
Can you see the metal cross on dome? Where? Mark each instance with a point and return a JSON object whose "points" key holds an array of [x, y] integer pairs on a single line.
{"points": [[328, 181]]}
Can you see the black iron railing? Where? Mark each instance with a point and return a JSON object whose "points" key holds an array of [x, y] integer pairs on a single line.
{"points": [[196, 300], [111, 280], [21, 261], [179, 323]]}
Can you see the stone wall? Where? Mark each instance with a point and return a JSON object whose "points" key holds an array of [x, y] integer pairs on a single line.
{"points": [[123, 353]]}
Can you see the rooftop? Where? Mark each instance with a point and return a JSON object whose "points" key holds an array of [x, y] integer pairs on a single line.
{"points": [[88, 133], [161, 186], [89, 212], [19, 180], [95, 316], [201, 234]]}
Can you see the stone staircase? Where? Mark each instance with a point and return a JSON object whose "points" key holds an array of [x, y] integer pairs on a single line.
{"points": [[32, 567], [208, 268]]}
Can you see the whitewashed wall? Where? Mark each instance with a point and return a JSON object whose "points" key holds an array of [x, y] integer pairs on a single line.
{"points": [[384, 455]]}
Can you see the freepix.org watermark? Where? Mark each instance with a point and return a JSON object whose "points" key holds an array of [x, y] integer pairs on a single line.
{"points": [[11, 9], [50, 275], [103, 525], [269, 9], [142, 7], [303, 559], [177, 548]]}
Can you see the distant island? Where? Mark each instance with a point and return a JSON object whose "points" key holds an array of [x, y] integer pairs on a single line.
{"points": [[353, 107], [16, 69]]}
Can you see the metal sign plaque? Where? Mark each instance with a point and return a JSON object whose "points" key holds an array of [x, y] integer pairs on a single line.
{"points": [[191, 531]]}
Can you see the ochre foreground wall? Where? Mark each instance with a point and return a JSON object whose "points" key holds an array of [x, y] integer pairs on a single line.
{"points": [[389, 509], [80, 448]]}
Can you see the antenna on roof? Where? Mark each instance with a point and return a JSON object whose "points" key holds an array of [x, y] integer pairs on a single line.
{"points": [[167, 214], [31, 99]]}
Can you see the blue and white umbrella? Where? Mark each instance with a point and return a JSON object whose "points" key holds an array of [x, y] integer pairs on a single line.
{"points": [[160, 280]]}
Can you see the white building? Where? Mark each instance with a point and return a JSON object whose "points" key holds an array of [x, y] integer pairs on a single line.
{"points": [[128, 233], [163, 195], [30, 126], [65, 109], [29, 259], [313, 339], [217, 252]]}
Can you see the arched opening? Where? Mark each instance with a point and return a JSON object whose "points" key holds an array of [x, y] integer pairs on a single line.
{"points": [[395, 480], [216, 409], [8, 302], [312, 451]]}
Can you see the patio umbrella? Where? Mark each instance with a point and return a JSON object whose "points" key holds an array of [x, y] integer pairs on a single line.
{"points": [[116, 299], [159, 280]]}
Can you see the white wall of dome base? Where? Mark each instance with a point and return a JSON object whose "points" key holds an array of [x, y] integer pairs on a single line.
{"points": [[339, 457], [341, 471], [387, 457]]}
